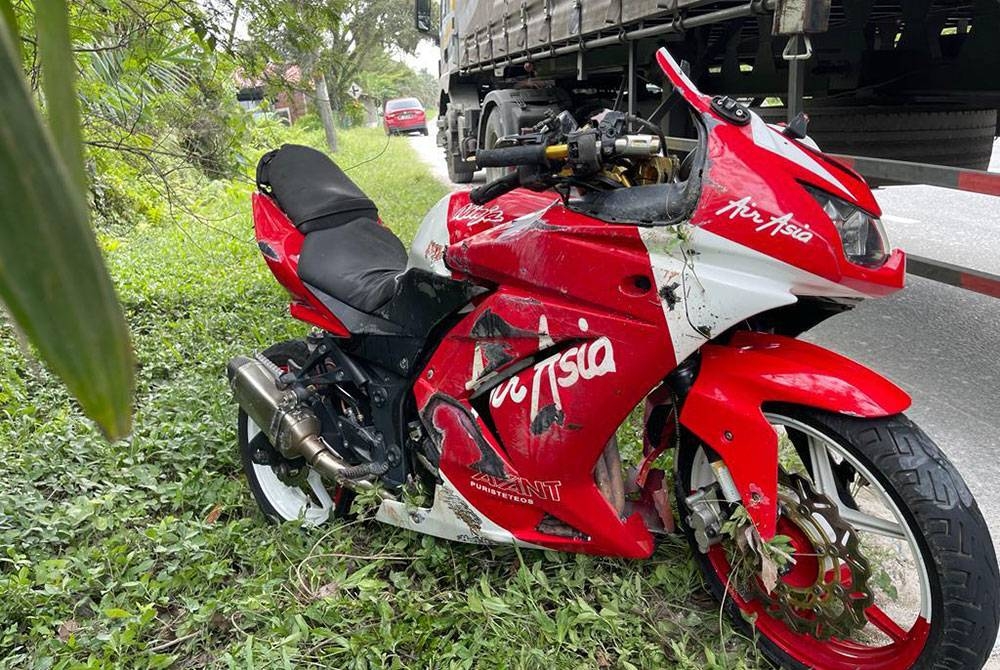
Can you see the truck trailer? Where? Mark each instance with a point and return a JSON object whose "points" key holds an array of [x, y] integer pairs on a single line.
{"points": [[910, 80]]}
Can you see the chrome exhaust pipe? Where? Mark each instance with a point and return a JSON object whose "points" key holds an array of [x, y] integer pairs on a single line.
{"points": [[288, 423]]}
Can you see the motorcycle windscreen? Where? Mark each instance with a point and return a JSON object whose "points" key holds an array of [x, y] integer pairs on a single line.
{"points": [[681, 82]]}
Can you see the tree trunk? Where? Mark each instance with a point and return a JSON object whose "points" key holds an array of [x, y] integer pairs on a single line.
{"points": [[232, 26], [325, 113]]}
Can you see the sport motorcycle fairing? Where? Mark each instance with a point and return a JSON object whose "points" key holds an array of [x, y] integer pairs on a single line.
{"points": [[552, 362]]}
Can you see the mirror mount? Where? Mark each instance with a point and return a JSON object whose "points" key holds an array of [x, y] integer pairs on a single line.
{"points": [[797, 127], [422, 17]]}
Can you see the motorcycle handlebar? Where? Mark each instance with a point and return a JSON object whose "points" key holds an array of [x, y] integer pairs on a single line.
{"points": [[496, 188], [540, 155], [528, 154]]}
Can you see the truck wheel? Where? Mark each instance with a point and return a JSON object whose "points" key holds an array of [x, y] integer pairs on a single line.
{"points": [[494, 131], [957, 138]]}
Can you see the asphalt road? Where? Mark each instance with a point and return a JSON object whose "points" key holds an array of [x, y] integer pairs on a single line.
{"points": [[941, 344]]}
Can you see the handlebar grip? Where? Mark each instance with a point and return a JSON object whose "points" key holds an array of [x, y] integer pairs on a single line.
{"points": [[496, 188], [528, 154]]}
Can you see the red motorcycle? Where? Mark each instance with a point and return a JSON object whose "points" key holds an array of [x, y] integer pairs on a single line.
{"points": [[489, 371]]}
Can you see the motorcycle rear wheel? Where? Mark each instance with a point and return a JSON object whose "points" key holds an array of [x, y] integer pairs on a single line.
{"points": [[930, 511], [307, 499]]}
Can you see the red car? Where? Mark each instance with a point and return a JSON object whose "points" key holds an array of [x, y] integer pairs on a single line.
{"points": [[404, 115]]}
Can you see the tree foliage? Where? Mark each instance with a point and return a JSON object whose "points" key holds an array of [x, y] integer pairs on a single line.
{"points": [[384, 77], [367, 32], [108, 102], [52, 278], [347, 42]]}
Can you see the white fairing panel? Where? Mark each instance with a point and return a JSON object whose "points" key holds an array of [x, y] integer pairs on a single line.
{"points": [[431, 240], [808, 141], [451, 517], [709, 283], [769, 138]]}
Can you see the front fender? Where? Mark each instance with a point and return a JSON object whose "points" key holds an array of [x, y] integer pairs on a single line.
{"points": [[735, 380]]}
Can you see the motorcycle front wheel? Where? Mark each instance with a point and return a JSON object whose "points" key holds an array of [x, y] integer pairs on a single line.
{"points": [[891, 563]]}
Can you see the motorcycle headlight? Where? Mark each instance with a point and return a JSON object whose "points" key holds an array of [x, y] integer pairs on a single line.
{"points": [[862, 235]]}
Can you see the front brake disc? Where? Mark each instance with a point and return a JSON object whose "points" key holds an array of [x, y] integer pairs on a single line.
{"points": [[832, 602]]}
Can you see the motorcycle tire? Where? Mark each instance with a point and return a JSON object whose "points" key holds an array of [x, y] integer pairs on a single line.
{"points": [[935, 511]]}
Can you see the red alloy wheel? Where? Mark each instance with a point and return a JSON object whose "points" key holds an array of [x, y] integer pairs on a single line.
{"points": [[890, 641]]}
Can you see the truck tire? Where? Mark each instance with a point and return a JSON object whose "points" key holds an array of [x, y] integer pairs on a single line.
{"points": [[956, 138], [494, 131], [454, 107]]}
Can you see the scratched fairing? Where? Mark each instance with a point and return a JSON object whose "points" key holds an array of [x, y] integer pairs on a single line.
{"points": [[570, 393], [454, 219], [476, 383]]}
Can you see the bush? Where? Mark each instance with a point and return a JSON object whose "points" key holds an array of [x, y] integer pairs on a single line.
{"points": [[211, 127], [353, 114]]}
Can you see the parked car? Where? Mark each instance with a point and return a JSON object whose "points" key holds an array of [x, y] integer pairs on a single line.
{"points": [[404, 115]]}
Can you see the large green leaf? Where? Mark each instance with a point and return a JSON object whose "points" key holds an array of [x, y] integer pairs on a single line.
{"points": [[55, 52], [7, 15], [52, 276]]}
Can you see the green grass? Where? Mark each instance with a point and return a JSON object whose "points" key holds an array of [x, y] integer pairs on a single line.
{"points": [[149, 553]]}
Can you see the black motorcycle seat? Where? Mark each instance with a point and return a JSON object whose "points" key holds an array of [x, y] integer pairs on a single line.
{"points": [[346, 253], [356, 262], [311, 189]]}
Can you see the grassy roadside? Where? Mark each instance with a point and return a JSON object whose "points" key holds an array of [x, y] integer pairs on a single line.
{"points": [[149, 553]]}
